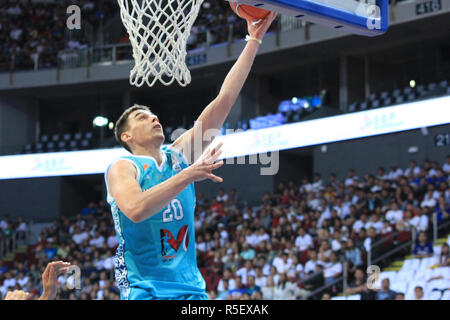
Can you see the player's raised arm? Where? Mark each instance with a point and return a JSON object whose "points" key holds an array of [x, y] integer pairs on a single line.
{"points": [[214, 115], [140, 205]]}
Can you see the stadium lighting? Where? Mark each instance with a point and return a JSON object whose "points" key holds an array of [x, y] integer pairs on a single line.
{"points": [[100, 121], [294, 100], [306, 105], [412, 83], [111, 125]]}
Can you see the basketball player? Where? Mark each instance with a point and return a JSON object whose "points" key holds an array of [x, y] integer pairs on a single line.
{"points": [[152, 195]]}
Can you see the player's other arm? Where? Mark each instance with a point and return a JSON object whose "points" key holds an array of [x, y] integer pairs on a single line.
{"points": [[214, 115], [140, 205]]}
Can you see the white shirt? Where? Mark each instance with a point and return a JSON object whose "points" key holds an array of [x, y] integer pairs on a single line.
{"points": [[261, 281], [222, 198], [302, 243], [395, 174], [108, 263], [377, 225], [358, 225], [393, 216], [251, 239], [9, 282], [416, 171], [98, 242], [261, 238], [80, 237], [428, 203], [420, 222], [310, 266], [22, 227], [3, 224], [446, 167], [335, 245], [112, 241], [243, 273], [332, 270], [231, 285]]}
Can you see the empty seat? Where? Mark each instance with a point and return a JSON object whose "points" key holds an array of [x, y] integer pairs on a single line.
{"points": [[73, 144], [446, 295], [411, 96], [50, 145], [372, 96], [352, 107], [399, 285], [407, 90], [427, 262], [77, 136], [363, 105], [384, 95], [375, 103], [354, 297], [66, 136], [410, 265], [84, 143], [39, 147], [44, 138], [396, 93], [434, 295], [61, 144], [432, 86], [339, 298], [387, 101], [399, 99], [55, 137], [88, 135]]}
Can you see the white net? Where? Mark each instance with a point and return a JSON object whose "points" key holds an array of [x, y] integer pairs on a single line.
{"points": [[158, 31]]}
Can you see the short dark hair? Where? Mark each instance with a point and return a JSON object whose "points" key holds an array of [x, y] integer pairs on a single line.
{"points": [[122, 124]]}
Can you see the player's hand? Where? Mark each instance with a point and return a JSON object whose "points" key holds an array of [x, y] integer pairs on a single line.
{"points": [[203, 167], [258, 29], [18, 295], [50, 278]]}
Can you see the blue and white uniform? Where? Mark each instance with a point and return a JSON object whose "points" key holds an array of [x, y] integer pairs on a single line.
{"points": [[156, 258]]}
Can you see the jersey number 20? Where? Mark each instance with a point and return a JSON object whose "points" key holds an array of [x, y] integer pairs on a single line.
{"points": [[173, 210]]}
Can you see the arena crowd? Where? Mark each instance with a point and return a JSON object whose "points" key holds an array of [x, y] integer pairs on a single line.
{"points": [[294, 242]]}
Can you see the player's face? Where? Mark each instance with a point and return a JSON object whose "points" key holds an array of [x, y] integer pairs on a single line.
{"points": [[144, 126]]}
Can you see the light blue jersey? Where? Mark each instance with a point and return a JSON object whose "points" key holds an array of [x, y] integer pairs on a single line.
{"points": [[156, 258]]}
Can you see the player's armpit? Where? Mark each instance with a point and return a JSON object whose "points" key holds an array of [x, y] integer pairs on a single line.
{"points": [[123, 187]]}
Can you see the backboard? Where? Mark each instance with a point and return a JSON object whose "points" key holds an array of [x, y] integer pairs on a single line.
{"points": [[362, 17]]}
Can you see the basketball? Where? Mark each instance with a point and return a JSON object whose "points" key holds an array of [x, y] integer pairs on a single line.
{"points": [[248, 12]]}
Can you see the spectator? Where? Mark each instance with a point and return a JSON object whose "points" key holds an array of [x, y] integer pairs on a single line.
{"points": [[418, 293], [268, 291], [285, 289], [443, 259], [385, 293], [353, 256], [224, 294], [399, 296], [423, 248], [251, 286], [333, 269], [303, 241], [238, 291], [359, 286]]}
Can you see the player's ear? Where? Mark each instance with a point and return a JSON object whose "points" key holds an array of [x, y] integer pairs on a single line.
{"points": [[125, 136]]}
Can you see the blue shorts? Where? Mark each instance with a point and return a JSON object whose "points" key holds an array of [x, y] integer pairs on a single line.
{"points": [[142, 294]]}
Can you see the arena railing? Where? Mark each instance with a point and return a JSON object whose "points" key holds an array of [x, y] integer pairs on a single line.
{"points": [[200, 40]]}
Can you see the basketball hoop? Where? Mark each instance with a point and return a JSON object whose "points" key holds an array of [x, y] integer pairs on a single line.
{"points": [[158, 31]]}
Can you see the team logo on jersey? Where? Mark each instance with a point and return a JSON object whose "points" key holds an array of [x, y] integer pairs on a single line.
{"points": [[176, 166], [145, 167], [170, 245]]}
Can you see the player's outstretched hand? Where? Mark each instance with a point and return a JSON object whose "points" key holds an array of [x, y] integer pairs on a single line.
{"points": [[17, 295], [50, 278], [203, 167], [259, 29]]}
